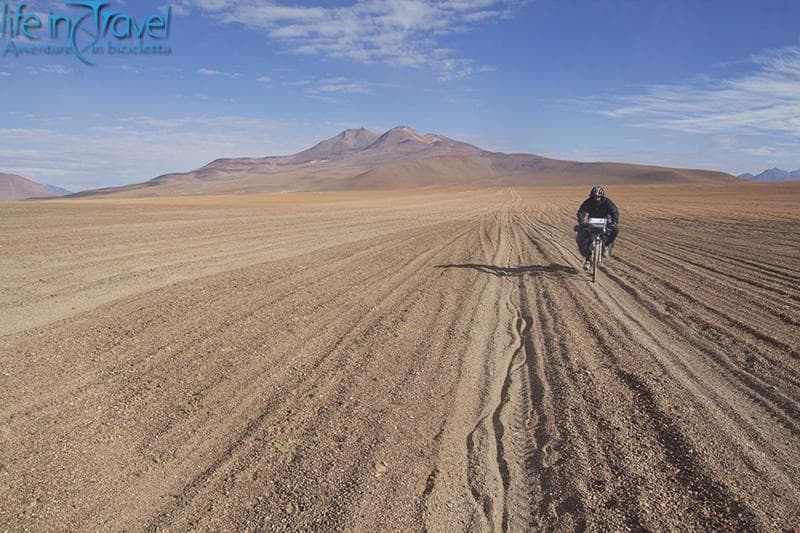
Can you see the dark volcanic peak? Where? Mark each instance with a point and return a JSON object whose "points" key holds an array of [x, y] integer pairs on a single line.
{"points": [[401, 134], [356, 133], [342, 144], [405, 141], [457, 145]]}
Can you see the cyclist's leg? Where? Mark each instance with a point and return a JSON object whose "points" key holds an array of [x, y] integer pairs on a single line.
{"points": [[611, 236]]}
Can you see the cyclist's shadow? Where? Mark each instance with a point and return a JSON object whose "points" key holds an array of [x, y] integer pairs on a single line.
{"points": [[552, 270]]}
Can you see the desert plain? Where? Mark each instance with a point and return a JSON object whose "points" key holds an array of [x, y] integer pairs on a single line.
{"points": [[401, 361]]}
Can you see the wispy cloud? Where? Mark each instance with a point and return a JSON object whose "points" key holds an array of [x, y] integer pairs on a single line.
{"points": [[213, 72], [326, 99], [205, 98], [155, 122], [49, 69], [459, 69], [341, 85], [765, 99], [397, 32], [335, 90], [179, 9], [130, 68], [296, 83], [264, 79]]}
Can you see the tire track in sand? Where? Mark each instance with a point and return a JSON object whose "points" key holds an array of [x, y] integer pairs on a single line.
{"points": [[511, 447]]}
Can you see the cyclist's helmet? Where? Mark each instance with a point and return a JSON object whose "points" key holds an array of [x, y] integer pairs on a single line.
{"points": [[598, 192]]}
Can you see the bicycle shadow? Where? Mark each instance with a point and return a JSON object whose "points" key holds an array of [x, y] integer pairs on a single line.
{"points": [[553, 270]]}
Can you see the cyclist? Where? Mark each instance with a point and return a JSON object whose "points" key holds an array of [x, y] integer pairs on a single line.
{"points": [[598, 205]]}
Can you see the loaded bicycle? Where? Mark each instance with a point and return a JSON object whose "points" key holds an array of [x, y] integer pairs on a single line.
{"points": [[597, 229], [592, 236]]}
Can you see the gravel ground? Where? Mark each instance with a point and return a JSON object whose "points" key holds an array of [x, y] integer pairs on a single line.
{"points": [[400, 361]]}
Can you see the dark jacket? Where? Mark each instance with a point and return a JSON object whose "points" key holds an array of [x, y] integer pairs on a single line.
{"points": [[591, 209]]}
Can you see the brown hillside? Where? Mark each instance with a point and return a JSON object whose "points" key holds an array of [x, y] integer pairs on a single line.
{"points": [[400, 158], [13, 187]]}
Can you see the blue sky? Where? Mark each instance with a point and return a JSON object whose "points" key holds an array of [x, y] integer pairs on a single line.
{"points": [[702, 84]]}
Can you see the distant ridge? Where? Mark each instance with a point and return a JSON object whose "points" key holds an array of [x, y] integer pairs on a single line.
{"points": [[773, 174], [58, 191], [358, 159], [14, 187]]}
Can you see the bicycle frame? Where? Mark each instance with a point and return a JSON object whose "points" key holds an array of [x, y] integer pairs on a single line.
{"points": [[597, 228]]}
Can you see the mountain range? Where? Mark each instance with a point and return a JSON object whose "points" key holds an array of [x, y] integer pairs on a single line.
{"points": [[773, 174], [358, 159], [13, 187]]}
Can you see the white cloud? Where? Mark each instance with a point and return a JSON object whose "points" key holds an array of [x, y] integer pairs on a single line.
{"points": [[323, 98], [459, 69], [342, 85], [765, 100], [398, 32], [264, 79], [131, 68], [331, 90], [155, 122], [178, 9], [212, 72], [5, 74], [205, 98], [296, 83], [49, 69], [764, 151]]}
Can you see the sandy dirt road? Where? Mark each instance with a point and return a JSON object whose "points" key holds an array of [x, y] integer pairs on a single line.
{"points": [[400, 362]]}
